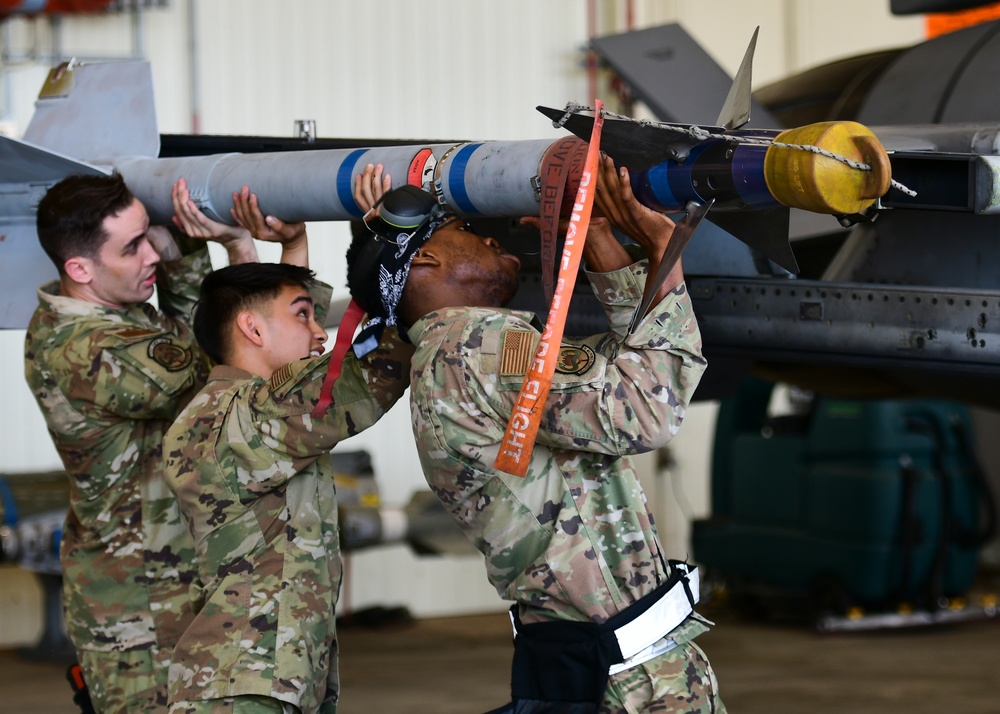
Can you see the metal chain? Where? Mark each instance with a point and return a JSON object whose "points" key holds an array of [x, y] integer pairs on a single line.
{"points": [[702, 134]]}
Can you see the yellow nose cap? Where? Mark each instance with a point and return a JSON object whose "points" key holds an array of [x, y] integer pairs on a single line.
{"points": [[802, 179]]}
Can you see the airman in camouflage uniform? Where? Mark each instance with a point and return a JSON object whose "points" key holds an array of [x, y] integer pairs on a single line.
{"points": [[110, 373], [573, 540], [248, 460]]}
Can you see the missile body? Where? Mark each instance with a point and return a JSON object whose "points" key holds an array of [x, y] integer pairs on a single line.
{"points": [[474, 179], [745, 173]]}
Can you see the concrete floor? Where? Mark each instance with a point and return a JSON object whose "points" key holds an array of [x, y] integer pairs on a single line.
{"points": [[460, 666]]}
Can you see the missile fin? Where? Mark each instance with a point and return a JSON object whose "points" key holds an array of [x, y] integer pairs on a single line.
{"points": [[764, 230], [23, 163], [72, 116], [736, 109], [638, 146]]}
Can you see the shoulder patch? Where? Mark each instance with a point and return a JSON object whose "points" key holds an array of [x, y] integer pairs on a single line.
{"points": [[168, 355], [280, 376], [517, 351], [574, 359]]}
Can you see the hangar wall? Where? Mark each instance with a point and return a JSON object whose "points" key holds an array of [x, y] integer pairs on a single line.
{"points": [[437, 69]]}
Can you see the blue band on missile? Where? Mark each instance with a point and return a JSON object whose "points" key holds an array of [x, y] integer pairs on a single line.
{"points": [[660, 177], [661, 187], [345, 183], [456, 179]]}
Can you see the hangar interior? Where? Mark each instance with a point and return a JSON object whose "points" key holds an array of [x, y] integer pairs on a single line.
{"points": [[426, 631]]}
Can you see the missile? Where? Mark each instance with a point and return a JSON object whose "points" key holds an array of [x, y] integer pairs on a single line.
{"points": [[750, 174], [756, 174], [33, 511]]}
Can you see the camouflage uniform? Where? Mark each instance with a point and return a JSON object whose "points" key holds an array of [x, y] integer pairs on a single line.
{"points": [[573, 540], [252, 473], [109, 382]]}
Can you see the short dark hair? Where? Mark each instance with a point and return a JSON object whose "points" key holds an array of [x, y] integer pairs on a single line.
{"points": [[70, 220], [226, 292]]}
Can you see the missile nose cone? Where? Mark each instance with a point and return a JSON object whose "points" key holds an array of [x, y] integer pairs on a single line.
{"points": [[819, 183]]}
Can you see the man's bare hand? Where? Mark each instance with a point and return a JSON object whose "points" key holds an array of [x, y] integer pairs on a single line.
{"points": [[246, 211], [370, 185], [614, 197], [189, 219], [601, 251], [292, 236]]}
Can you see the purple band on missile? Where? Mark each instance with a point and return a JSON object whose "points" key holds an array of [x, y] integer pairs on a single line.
{"points": [[345, 183], [748, 176], [456, 179]]}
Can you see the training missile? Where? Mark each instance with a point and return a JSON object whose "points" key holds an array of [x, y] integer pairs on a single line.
{"points": [[751, 178], [752, 172]]}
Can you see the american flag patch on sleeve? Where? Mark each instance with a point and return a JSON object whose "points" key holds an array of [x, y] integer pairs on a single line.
{"points": [[517, 352]]}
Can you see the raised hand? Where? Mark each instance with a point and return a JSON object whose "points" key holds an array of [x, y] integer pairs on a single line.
{"points": [[188, 218]]}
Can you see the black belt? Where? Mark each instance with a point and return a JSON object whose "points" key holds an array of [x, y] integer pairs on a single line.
{"points": [[561, 667]]}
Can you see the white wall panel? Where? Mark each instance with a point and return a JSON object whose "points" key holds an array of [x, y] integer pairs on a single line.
{"points": [[446, 69], [826, 31]]}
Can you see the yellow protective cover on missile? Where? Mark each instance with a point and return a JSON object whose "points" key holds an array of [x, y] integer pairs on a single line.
{"points": [[802, 179]]}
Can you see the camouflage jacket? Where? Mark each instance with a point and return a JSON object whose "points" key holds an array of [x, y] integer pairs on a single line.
{"points": [[109, 382], [573, 539], [254, 480]]}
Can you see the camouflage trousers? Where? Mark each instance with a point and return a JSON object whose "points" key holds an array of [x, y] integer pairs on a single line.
{"points": [[680, 681], [132, 682], [247, 704]]}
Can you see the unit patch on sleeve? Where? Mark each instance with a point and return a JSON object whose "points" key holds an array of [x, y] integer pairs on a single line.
{"points": [[517, 351], [574, 359], [168, 355]]}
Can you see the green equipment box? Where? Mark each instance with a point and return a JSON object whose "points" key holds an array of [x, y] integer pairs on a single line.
{"points": [[871, 503]]}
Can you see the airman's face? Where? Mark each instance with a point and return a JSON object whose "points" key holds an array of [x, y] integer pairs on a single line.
{"points": [[124, 272], [292, 330], [479, 265]]}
